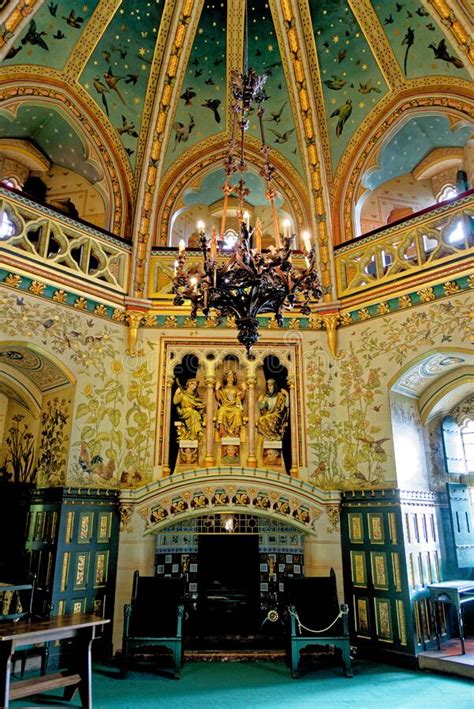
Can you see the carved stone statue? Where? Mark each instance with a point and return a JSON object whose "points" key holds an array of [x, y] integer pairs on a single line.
{"points": [[230, 413], [190, 410], [273, 405]]}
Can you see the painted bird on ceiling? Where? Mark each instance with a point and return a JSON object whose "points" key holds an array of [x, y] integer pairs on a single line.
{"points": [[101, 90], [344, 111], [59, 35], [128, 128], [188, 95], [367, 88], [182, 132], [213, 105], [441, 52], [35, 37], [336, 83], [409, 40], [112, 82], [72, 20], [53, 9], [276, 117], [281, 137]]}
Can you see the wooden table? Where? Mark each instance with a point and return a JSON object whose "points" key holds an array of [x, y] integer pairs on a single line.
{"points": [[457, 593], [77, 676]]}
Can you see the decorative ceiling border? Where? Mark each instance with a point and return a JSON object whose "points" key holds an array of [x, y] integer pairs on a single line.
{"points": [[453, 18], [89, 39], [205, 155], [355, 160], [51, 88], [14, 21]]}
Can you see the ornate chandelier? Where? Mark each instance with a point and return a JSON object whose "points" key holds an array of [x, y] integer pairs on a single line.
{"points": [[251, 281]]}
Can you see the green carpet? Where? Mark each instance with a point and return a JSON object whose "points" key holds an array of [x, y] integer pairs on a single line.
{"points": [[232, 685]]}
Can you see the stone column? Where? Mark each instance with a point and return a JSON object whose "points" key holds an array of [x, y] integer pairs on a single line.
{"points": [[167, 430], [293, 427], [210, 381], [252, 429]]}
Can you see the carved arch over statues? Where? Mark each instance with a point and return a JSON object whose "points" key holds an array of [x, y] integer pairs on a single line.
{"points": [[257, 492]]}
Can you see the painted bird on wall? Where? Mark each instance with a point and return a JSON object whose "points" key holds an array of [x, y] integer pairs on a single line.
{"points": [[213, 105], [441, 52], [344, 111]]}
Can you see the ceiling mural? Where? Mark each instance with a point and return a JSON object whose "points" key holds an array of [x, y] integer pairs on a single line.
{"points": [[45, 374], [264, 56], [417, 378], [202, 109], [352, 82], [53, 135], [417, 41], [210, 190], [414, 141], [51, 35], [116, 74]]}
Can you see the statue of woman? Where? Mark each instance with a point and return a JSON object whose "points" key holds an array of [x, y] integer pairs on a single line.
{"points": [[230, 413], [273, 407], [190, 407]]}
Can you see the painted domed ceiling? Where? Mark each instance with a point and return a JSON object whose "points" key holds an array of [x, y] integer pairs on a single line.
{"points": [[137, 90]]}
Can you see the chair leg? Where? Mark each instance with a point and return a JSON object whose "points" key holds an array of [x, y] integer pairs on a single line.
{"points": [[295, 658], [346, 659]]}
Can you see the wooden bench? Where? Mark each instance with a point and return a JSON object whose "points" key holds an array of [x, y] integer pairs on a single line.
{"points": [[77, 676], [316, 619], [153, 619]]}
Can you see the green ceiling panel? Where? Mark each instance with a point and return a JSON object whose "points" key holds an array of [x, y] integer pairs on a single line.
{"points": [[417, 41], [351, 79], [117, 72], [51, 35], [264, 56], [202, 110]]}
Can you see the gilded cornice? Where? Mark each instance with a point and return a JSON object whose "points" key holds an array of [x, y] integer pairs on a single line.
{"points": [[182, 33], [88, 40], [30, 83]]}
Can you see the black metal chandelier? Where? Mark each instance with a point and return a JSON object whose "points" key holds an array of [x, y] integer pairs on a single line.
{"points": [[250, 281]]}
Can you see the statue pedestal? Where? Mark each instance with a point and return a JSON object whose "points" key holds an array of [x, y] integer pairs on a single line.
{"points": [[188, 454], [272, 455], [230, 451]]}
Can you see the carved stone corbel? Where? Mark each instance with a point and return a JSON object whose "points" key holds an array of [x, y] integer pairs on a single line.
{"points": [[331, 321], [135, 316]]}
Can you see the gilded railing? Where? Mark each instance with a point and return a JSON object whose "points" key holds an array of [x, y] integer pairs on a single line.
{"points": [[61, 243], [433, 239]]}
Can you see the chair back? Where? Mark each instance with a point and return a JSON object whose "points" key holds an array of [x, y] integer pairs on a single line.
{"points": [[16, 602], [316, 603], [155, 604]]}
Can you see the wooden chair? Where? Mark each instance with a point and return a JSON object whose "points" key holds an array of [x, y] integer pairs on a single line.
{"points": [[316, 619], [153, 619], [16, 604]]}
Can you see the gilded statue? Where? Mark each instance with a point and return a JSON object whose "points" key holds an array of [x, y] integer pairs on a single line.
{"points": [[190, 410], [230, 412], [273, 405]]}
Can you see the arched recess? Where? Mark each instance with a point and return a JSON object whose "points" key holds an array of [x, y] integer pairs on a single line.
{"points": [[257, 492], [85, 116], [361, 154], [36, 401], [416, 397], [203, 158]]}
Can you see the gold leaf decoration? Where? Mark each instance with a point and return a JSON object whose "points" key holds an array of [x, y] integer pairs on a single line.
{"points": [[13, 280], [189, 322], [426, 295], [231, 322], [346, 319], [37, 288], [60, 296], [100, 310], [118, 315], [471, 280], [171, 321], [451, 288], [405, 301], [383, 308], [315, 322], [295, 324], [80, 303], [272, 324], [364, 314], [149, 320]]}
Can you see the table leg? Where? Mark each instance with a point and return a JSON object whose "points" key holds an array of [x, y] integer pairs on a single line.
{"points": [[461, 628], [84, 650], [6, 652]]}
